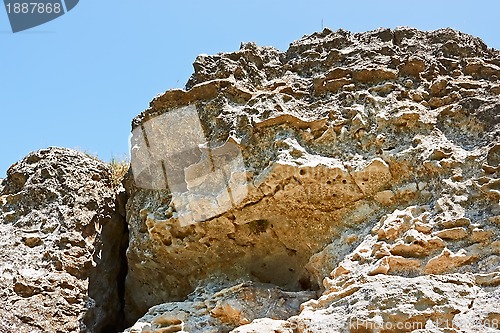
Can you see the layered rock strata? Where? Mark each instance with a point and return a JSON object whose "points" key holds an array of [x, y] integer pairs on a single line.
{"points": [[364, 167]]}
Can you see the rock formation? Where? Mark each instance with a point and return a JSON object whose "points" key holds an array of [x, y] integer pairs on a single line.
{"points": [[364, 167], [61, 234], [349, 184]]}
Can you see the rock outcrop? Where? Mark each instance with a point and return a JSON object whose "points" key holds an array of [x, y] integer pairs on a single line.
{"points": [[363, 167], [215, 308], [349, 184], [61, 236]]}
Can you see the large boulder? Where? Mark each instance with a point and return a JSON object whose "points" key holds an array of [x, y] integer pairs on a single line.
{"points": [[62, 239], [364, 167]]}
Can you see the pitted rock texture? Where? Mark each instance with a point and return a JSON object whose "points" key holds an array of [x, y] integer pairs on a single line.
{"points": [[217, 310], [372, 163], [385, 303], [61, 234]]}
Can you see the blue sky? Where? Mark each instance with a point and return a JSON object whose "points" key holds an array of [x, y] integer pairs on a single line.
{"points": [[78, 81]]}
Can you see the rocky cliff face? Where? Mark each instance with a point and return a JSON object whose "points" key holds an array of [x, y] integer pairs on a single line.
{"points": [[61, 235], [362, 167], [349, 184]]}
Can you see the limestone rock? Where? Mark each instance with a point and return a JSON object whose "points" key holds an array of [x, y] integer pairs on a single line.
{"points": [[384, 303], [217, 311], [364, 166], [60, 239]]}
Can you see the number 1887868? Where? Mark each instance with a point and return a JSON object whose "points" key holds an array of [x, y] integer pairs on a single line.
{"points": [[33, 8]]}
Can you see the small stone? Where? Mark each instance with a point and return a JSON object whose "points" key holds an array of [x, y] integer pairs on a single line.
{"points": [[32, 241]]}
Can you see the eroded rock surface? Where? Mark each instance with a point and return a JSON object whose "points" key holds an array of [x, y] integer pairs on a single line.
{"points": [[61, 235], [218, 309], [372, 176]]}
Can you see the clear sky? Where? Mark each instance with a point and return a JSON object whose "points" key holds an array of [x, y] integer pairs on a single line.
{"points": [[79, 80]]}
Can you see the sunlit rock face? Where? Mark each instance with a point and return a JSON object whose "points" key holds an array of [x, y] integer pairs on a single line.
{"points": [[62, 236], [362, 169]]}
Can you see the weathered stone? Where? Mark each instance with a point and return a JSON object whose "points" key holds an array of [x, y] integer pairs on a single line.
{"points": [[60, 237], [349, 184], [218, 311], [370, 164], [395, 304]]}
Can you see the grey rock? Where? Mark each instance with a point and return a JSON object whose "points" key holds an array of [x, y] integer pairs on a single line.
{"points": [[60, 239]]}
